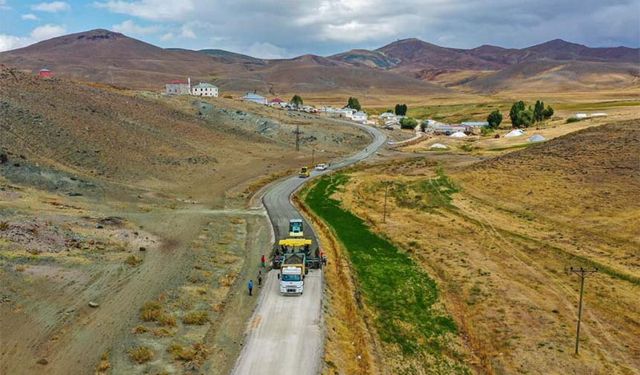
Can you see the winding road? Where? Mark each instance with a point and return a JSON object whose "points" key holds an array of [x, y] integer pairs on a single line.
{"points": [[286, 334]]}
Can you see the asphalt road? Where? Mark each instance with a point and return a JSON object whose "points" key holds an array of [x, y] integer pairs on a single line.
{"points": [[285, 334]]}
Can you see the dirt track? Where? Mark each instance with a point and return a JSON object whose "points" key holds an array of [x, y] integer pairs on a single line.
{"points": [[290, 325]]}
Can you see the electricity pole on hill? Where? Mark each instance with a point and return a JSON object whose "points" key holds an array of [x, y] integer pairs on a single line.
{"points": [[583, 273], [297, 137]]}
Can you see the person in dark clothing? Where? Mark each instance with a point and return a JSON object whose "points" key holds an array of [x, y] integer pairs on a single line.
{"points": [[259, 278], [250, 287]]}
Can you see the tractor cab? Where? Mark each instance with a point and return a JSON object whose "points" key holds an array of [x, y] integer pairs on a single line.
{"points": [[304, 172], [295, 228]]}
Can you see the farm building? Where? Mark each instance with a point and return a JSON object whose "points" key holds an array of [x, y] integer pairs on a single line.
{"points": [[359, 117], [474, 124], [204, 89], [178, 87], [45, 73], [253, 97], [277, 102]]}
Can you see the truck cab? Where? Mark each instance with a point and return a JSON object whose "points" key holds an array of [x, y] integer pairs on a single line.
{"points": [[304, 172], [291, 280], [295, 228]]}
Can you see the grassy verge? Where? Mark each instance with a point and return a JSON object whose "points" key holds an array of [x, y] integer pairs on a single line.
{"points": [[401, 295]]}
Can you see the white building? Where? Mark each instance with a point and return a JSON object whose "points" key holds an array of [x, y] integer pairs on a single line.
{"points": [[204, 89], [359, 116], [253, 97], [178, 87]]}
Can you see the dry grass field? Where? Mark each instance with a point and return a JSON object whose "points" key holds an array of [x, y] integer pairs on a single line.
{"points": [[497, 235]]}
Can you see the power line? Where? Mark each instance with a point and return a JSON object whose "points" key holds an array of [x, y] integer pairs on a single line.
{"points": [[583, 273]]}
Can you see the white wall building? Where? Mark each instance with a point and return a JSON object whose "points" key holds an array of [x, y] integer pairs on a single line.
{"points": [[360, 117], [252, 97], [178, 87], [204, 89]]}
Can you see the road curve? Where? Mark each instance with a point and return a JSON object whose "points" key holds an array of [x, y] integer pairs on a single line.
{"points": [[285, 334]]}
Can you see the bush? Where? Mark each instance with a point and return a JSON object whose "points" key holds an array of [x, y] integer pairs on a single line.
{"points": [[408, 123], [572, 119], [167, 320], [151, 311], [133, 261], [353, 103], [196, 318], [140, 354]]}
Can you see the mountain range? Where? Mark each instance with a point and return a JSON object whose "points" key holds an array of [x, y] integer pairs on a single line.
{"points": [[407, 66]]}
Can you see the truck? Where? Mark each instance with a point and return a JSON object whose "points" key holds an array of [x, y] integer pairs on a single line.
{"points": [[304, 172], [295, 228], [292, 273]]}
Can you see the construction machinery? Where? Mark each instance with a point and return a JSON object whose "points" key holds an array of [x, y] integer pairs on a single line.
{"points": [[304, 172], [298, 246], [295, 228]]}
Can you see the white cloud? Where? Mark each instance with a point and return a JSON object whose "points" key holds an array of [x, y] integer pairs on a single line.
{"points": [[52, 7], [187, 32], [29, 17], [131, 28], [167, 37], [3, 5], [157, 10], [47, 32], [9, 42], [265, 51]]}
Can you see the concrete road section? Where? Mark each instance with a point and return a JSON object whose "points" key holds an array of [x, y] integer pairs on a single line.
{"points": [[285, 334]]}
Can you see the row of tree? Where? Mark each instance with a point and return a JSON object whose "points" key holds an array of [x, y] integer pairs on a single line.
{"points": [[523, 116]]}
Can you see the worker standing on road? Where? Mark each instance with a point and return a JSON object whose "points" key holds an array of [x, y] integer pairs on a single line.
{"points": [[264, 261], [250, 286], [259, 278]]}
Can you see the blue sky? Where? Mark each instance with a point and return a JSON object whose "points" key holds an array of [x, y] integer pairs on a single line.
{"points": [[285, 28]]}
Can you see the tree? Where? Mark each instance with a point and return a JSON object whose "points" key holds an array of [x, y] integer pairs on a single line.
{"points": [[494, 119], [353, 103], [297, 100], [525, 118], [547, 113], [408, 123], [538, 111], [516, 108], [401, 109]]}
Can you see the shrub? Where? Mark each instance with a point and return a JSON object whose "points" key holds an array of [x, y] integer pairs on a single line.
{"points": [[133, 261], [104, 364], [151, 311], [140, 354], [4, 226], [140, 329], [408, 123], [196, 318], [196, 353], [572, 119], [494, 119], [165, 319]]}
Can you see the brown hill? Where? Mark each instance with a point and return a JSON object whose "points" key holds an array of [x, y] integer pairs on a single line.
{"points": [[105, 56]]}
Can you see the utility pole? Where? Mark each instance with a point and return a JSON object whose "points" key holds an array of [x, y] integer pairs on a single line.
{"points": [[583, 273], [297, 137], [384, 211], [313, 157]]}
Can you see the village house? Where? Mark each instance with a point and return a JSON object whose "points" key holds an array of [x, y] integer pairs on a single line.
{"points": [[255, 98], [204, 89], [178, 87], [45, 73], [360, 117], [278, 103]]}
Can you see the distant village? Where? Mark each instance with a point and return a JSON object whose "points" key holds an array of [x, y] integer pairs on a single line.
{"points": [[387, 120]]}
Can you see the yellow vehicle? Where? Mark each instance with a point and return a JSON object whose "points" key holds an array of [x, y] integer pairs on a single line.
{"points": [[304, 172]]}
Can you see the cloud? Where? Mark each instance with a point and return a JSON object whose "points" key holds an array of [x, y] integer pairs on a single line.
{"points": [[156, 10], [3, 5], [131, 28], [264, 51], [330, 26], [29, 17], [47, 32], [52, 7], [9, 42]]}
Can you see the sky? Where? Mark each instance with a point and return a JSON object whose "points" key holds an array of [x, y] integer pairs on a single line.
{"points": [[287, 28]]}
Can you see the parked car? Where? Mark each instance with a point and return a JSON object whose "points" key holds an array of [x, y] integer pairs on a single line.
{"points": [[321, 167]]}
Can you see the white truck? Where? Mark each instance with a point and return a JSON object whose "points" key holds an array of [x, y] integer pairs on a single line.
{"points": [[291, 280]]}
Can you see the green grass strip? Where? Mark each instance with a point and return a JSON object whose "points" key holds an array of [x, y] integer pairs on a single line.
{"points": [[401, 294]]}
